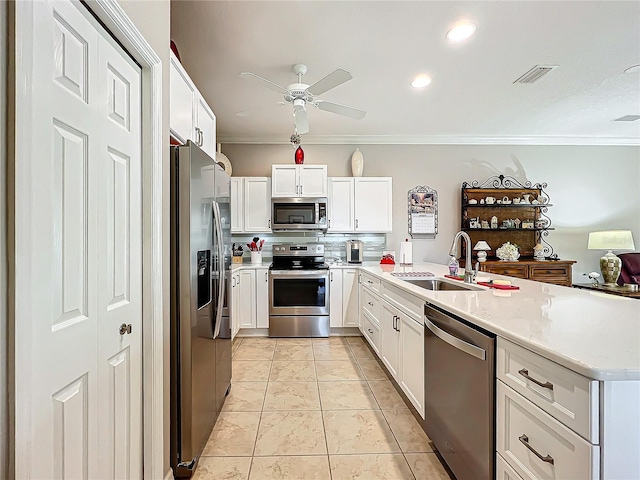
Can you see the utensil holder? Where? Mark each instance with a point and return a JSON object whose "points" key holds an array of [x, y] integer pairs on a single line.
{"points": [[256, 258]]}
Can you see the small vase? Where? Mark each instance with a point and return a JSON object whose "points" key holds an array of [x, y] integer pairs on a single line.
{"points": [[299, 156], [357, 163]]}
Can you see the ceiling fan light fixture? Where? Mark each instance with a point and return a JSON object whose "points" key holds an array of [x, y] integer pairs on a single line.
{"points": [[461, 31], [421, 81]]}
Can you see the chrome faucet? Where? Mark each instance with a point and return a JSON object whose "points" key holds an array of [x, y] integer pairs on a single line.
{"points": [[469, 272]]}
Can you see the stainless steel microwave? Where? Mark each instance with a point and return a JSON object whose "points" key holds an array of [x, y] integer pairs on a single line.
{"points": [[299, 214]]}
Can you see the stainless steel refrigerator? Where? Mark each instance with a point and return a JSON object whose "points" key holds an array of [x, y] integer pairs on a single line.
{"points": [[200, 328]]}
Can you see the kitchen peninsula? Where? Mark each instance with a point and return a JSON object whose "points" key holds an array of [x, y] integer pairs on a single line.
{"points": [[567, 369]]}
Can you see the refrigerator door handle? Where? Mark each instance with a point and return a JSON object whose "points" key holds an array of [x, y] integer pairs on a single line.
{"points": [[215, 208]]}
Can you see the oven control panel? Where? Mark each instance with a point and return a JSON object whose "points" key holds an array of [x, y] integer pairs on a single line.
{"points": [[309, 249]]}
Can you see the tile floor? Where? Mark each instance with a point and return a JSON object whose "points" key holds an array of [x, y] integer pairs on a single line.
{"points": [[314, 409]]}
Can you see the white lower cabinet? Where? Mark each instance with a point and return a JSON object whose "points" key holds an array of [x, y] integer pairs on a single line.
{"points": [[262, 298], [536, 445], [247, 293], [390, 348], [350, 311], [412, 361], [335, 298], [249, 298], [504, 471], [234, 304], [396, 334]]}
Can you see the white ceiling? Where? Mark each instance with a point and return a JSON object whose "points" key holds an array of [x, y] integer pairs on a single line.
{"points": [[384, 44]]}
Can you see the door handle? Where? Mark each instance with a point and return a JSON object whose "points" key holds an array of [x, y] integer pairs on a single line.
{"points": [[393, 322], [370, 331], [269, 223], [331, 275], [370, 304], [356, 223], [525, 373], [525, 441], [329, 225], [266, 276], [125, 329]]}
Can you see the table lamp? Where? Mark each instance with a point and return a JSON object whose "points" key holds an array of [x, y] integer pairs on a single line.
{"points": [[610, 240], [482, 247]]}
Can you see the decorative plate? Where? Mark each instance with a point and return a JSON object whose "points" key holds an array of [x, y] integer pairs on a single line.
{"points": [[224, 162]]}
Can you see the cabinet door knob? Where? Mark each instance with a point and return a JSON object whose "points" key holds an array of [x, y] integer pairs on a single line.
{"points": [[125, 329]]}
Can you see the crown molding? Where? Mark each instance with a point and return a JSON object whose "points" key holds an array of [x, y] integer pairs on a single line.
{"points": [[432, 140]]}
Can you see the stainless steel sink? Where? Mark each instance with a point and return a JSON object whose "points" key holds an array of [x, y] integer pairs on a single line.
{"points": [[439, 284]]}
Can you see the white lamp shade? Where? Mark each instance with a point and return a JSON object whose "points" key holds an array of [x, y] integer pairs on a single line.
{"points": [[611, 240], [482, 245]]}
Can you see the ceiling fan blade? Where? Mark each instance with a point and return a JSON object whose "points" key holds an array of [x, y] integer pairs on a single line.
{"points": [[340, 109], [302, 122], [335, 78], [264, 82], [252, 111]]}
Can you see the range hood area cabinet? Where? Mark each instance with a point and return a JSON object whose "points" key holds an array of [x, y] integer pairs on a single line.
{"points": [[359, 205], [250, 204], [298, 181], [190, 118]]}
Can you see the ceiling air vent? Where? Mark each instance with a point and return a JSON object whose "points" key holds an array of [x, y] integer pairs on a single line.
{"points": [[628, 118], [536, 73]]}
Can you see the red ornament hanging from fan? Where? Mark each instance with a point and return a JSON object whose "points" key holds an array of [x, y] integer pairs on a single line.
{"points": [[299, 156]]}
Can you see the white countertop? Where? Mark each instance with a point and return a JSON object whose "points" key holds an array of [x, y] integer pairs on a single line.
{"points": [[248, 265], [594, 334]]}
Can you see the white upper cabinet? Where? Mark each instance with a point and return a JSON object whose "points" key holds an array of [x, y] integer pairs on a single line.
{"points": [[237, 204], [190, 118], [340, 205], [257, 204], [373, 204], [182, 100], [206, 128], [299, 180], [250, 204], [313, 180]]}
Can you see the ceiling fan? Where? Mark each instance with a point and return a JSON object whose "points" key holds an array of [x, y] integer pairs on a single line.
{"points": [[300, 95]]}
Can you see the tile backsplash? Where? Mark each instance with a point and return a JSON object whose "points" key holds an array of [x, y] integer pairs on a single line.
{"points": [[335, 243]]}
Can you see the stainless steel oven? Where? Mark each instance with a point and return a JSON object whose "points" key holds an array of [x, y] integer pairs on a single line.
{"points": [[299, 214], [298, 292]]}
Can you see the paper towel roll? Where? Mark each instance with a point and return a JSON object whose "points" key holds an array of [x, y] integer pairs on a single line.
{"points": [[406, 253]]}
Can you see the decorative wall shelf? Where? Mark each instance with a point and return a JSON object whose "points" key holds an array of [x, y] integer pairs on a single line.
{"points": [[476, 217]]}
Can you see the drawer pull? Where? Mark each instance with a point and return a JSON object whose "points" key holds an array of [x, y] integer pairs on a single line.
{"points": [[370, 331], [525, 373], [370, 303], [525, 441], [369, 282]]}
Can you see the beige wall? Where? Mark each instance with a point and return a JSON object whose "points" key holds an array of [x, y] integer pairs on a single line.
{"points": [[152, 18], [591, 188]]}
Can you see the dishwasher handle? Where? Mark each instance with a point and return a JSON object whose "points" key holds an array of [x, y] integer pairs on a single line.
{"points": [[455, 341]]}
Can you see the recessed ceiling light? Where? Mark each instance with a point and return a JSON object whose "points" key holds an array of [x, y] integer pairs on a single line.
{"points": [[421, 81], [461, 32], [634, 69]]}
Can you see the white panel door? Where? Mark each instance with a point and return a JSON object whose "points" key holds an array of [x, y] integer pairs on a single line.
{"points": [[120, 266], [206, 122], [247, 298], [257, 204], [313, 180], [284, 181], [373, 204], [182, 99], [78, 241], [350, 307], [340, 207], [262, 298], [237, 204], [335, 297]]}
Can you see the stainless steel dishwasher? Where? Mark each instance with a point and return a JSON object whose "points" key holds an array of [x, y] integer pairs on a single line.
{"points": [[459, 362]]}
